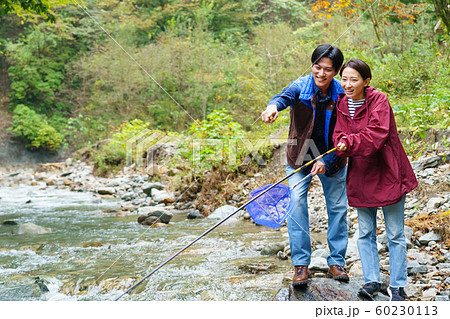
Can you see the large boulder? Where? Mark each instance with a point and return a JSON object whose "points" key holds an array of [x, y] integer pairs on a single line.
{"points": [[32, 229], [325, 289]]}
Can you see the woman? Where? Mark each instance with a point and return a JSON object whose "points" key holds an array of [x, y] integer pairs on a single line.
{"points": [[379, 174]]}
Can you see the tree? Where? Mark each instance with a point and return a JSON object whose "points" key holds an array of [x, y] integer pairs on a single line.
{"points": [[443, 11], [41, 8], [380, 12]]}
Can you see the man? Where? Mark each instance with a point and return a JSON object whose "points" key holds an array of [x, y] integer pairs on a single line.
{"points": [[312, 102]]}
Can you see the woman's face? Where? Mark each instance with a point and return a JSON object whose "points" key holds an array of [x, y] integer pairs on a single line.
{"points": [[353, 84]]}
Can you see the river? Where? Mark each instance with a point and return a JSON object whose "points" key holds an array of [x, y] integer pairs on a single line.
{"points": [[94, 255]]}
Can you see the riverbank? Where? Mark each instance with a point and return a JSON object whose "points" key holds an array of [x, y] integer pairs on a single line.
{"points": [[425, 213]]}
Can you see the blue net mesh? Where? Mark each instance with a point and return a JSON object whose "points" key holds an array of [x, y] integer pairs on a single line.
{"points": [[273, 207]]}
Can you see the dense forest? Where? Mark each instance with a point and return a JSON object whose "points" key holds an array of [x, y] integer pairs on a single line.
{"points": [[75, 73]]}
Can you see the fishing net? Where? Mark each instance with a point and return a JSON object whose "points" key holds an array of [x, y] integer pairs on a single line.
{"points": [[273, 207]]}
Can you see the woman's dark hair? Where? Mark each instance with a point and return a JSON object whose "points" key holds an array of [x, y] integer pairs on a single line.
{"points": [[358, 65], [328, 51]]}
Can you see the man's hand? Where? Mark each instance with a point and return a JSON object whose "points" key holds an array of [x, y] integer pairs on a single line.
{"points": [[341, 147], [318, 168], [270, 114]]}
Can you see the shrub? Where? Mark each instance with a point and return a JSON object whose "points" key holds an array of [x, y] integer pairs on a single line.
{"points": [[34, 130]]}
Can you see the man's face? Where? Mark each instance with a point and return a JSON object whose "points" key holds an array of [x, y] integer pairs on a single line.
{"points": [[323, 73]]}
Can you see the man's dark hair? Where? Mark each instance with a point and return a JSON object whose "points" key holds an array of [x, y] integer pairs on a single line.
{"points": [[360, 66], [328, 51]]}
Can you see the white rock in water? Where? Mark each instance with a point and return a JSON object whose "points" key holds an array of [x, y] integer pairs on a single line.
{"points": [[32, 229]]}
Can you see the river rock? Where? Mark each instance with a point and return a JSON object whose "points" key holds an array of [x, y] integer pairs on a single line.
{"points": [[431, 236], [222, 212], [147, 187], [429, 293], [356, 270], [442, 266], [441, 298], [320, 253], [428, 162], [422, 258], [326, 289], [9, 223], [272, 249], [282, 295], [415, 268], [194, 214], [435, 202], [106, 191], [318, 263], [160, 212], [162, 197], [32, 229]]}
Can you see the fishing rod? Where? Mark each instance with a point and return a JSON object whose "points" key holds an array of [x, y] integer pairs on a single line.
{"points": [[221, 222]]}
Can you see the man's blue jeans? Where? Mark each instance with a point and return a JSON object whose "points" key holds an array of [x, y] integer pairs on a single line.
{"points": [[367, 243], [298, 221]]}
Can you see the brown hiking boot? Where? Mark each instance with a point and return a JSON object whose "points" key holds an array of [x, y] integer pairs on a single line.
{"points": [[338, 272], [301, 276]]}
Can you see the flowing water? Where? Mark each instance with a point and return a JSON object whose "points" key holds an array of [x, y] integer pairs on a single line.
{"points": [[94, 255]]}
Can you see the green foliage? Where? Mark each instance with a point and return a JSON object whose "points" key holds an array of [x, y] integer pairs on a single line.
{"points": [[112, 155], [34, 130], [23, 7], [425, 111], [213, 141]]}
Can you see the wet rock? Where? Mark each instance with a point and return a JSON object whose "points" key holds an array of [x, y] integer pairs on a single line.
{"points": [[272, 249], [160, 213], [431, 236], [282, 256], [20, 288], [256, 268], [9, 223], [282, 295], [325, 289], [194, 214], [32, 229]]}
